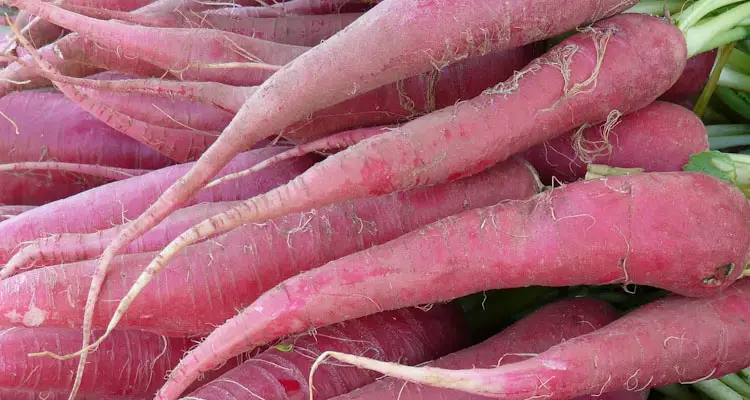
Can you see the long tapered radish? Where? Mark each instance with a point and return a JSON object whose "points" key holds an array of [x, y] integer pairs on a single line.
{"points": [[193, 54], [303, 30], [585, 233], [413, 155], [70, 247], [114, 204], [391, 103], [74, 55], [465, 31], [547, 326], [673, 340], [410, 334], [179, 144], [297, 242]]}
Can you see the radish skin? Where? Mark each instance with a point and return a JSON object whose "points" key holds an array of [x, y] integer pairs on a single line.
{"points": [[410, 156], [74, 55], [66, 248], [603, 234], [206, 47], [336, 141], [547, 326], [181, 145], [660, 137], [392, 103], [282, 91], [693, 79], [410, 335], [303, 30], [298, 242], [131, 364], [114, 204], [66, 127], [714, 327]]}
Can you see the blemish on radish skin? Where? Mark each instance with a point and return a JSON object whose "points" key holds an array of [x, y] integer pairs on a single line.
{"points": [[34, 317], [554, 364]]}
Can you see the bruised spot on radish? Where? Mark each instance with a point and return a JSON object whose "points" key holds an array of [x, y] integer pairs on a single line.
{"points": [[290, 386]]}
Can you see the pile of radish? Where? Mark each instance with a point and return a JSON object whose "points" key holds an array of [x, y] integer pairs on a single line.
{"points": [[375, 199]]}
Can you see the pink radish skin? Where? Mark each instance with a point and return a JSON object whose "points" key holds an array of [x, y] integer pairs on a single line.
{"points": [[693, 79], [298, 7], [298, 242], [603, 234], [160, 6], [112, 204], [10, 394], [410, 335], [714, 327], [334, 142], [73, 55], [410, 156], [388, 104], [8, 212], [158, 111], [98, 171], [204, 46], [66, 248], [658, 138], [303, 30], [60, 138], [293, 102], [549, 325], [181, 145], [131, 364], [283, 93]]}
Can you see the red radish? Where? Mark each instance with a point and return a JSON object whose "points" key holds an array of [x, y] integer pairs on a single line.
{"points": [[676, 339], [114, 203], [299, 30], [412, 156], [585, 233], [71, 247], [692, 80], [45, 126], [109, 173], [8, 212], [658, 138], [296, 243], [549, 325], [181, 145], [299, 7], [410, 335], [132, 364], [292, 102], [191, 5], [162, 112], [336, 141], [73, 55], [388, 104], [211, 55], [10, 394]]}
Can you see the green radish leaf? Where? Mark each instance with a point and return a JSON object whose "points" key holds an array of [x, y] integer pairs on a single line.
{"points": [[285, 348], [714, 163]]}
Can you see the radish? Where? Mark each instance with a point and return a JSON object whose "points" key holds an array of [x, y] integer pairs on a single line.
{"points": [[303, 30], [657, 138], [212, 55], [547, 326], [114, 204], [690, 340], [296, 243], [591, 232], [410, 335]]}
